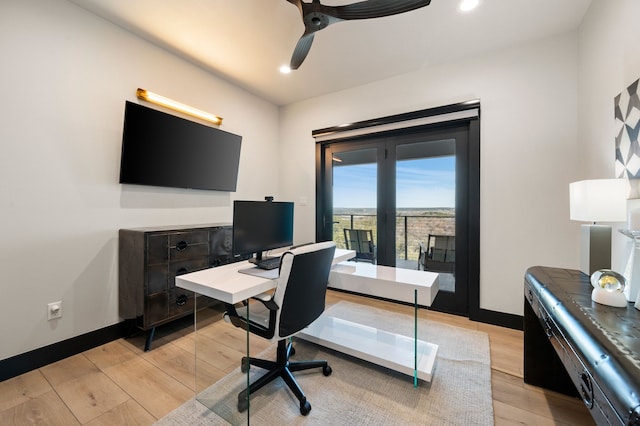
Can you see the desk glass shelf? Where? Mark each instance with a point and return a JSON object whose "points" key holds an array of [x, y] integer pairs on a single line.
{"points": [[379, 347]]}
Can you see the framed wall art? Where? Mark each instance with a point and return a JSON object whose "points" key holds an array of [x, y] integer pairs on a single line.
{"points": [[627, 118]]}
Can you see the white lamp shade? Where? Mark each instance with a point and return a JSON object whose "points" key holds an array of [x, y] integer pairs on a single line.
{"points": [[599, 200]]}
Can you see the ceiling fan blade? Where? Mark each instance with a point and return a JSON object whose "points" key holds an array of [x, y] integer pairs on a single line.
{"points": [[377, 8], [296, 3], [317, 16], [301, 50]]}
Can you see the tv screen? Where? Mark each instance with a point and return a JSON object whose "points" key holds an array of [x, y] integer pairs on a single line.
{"points": [[261, 225], [161, 149]]}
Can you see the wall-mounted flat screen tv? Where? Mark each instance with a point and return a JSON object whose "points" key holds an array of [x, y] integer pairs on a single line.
{"points": [[160, 149]]}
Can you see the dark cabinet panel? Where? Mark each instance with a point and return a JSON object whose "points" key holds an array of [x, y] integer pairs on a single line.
{"points": [[157, 308], [186, 266], [157, 279], [157, 249]]}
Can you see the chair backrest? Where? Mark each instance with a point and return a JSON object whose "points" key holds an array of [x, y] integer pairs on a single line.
{"points": [[442, 248], [302, 286], [360, 240]]}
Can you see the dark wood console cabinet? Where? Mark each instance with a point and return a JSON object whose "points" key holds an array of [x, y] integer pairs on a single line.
{"points": [[578, 347], [149, 260]]}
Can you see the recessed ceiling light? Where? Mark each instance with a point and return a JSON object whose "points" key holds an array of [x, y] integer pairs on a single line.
{"points": [[467, 5], [285, 69]]}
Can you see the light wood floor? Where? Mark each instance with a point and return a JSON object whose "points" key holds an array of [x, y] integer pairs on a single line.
{"points": [[119, 384]]}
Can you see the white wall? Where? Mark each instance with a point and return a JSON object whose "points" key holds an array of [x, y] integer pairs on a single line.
{"points": [[528, 99], [64, 79], [609, 61]]}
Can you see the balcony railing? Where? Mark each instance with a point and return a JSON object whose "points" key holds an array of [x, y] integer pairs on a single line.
{"points": [[410, 230]]}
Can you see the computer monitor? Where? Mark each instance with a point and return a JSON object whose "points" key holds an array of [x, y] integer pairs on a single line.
{"points": [[259, 226]]}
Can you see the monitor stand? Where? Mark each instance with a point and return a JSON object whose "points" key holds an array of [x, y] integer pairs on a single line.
{"points": [[256, 259], [263, 261]]}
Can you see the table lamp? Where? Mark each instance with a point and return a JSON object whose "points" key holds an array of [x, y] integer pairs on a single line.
{"points": [[597, 200]]}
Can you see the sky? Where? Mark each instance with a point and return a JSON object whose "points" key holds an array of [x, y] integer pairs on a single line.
{"points": [[424, 182]]}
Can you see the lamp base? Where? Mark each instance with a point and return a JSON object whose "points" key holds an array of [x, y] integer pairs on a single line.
{"points": [[609, 298], [595, 251]]}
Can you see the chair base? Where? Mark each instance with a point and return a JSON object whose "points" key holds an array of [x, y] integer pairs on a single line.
{"points": [[280, 368]]}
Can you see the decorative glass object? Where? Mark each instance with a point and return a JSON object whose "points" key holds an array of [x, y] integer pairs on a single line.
{"points": [[608, 288]]}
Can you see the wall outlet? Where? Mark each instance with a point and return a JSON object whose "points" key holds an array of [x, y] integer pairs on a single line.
{"points": [[54, 310]]}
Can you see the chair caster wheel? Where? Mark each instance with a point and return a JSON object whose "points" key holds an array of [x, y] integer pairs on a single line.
{"points": [[244, 365], [326, 370], [305, 407], [243, 404]]}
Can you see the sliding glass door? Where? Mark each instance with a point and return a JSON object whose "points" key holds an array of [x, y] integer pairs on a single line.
{"points": [[426, 208], [409, 191], [355, 199]]}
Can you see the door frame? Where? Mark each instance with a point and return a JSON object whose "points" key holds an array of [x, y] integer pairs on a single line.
{"points": [[466, 114]]}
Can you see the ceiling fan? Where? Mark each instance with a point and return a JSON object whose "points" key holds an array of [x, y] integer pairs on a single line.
{"points": [[317, 16]]}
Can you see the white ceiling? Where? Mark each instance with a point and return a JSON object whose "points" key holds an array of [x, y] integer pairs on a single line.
{"points": [[246, 41]]}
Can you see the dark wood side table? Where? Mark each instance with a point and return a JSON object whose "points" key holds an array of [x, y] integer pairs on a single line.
{"points": [[578, 347]]}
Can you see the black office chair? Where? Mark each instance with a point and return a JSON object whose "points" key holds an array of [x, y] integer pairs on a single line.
{"points": [[298, 300]]}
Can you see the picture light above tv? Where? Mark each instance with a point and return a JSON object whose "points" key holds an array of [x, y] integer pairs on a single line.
{"points": [[160, 149]]}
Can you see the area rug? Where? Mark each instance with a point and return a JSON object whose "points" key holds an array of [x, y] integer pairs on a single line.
{"points": [[360, 393]]}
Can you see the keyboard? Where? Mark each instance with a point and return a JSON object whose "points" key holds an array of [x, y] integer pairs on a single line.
{"points": [[269, 263]]}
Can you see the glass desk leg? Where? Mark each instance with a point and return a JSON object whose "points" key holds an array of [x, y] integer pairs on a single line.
{"points": [[415, 338], [218, 349]]}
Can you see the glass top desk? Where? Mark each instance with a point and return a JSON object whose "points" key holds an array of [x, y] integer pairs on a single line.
{"points": [[226, 284], [405, 354]]}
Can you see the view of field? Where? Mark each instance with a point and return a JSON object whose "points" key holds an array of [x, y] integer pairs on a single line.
{"points": [[418, 223]]}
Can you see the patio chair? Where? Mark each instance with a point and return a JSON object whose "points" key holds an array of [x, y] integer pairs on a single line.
{"points": [[439, 254], [361, 240]]}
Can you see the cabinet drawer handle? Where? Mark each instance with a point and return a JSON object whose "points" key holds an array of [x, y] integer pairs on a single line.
{"points": [[181, 300], [182, 245], [181, 271]]}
